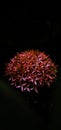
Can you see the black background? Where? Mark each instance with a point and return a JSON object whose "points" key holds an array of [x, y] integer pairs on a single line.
{"points": [[28, 28]]}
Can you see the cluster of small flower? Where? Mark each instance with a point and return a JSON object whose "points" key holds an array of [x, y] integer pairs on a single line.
{"points": [[31, 70]]}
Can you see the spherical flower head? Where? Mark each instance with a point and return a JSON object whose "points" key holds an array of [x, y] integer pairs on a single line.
{"points": [[31, 70]]}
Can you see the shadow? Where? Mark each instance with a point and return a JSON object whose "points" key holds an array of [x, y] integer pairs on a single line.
{"points": [[25, 110]]}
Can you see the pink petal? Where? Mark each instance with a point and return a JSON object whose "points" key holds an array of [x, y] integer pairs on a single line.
{"points": [[9, 78], [36, 90], [28, 89], [22, 89], [35, 82], [18, 86], [12, 83], [31, 88], [24, 84]]}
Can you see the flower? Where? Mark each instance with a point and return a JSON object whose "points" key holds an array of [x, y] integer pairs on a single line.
{"points": [[31, 70]]}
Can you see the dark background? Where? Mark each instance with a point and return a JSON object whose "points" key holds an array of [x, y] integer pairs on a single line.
{"points": [[28, 28]]}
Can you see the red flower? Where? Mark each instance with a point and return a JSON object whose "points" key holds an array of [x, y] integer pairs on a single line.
{"points": [[30, 70]]}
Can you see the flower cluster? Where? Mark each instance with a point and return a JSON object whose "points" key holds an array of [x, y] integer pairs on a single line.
{"points": [[31, 70]]}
